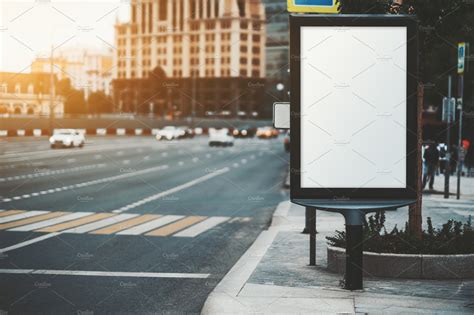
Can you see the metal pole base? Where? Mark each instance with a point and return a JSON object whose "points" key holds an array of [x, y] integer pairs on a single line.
{"points": [[354, 250], [312, 236]]}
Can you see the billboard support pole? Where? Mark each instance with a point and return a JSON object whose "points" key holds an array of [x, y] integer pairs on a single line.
{"points": [[311, 220], [354, 249]]}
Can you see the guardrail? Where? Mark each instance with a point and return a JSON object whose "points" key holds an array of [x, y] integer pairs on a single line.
{"points": [[40, 126]]}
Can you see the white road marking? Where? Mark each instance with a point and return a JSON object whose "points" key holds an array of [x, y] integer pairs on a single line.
{"points": [[173, 190], [29, 242], [94, 182], [100, 224], [42, 224], [21, 216], [201, 227], [148, 226], [48, 173], [106, 273]]}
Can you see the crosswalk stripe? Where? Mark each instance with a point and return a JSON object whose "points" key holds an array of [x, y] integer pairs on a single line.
{"points": [[20, 216], [126, 224], [42, 224], [174, 227], [10, 212], [148, 226], [201, 227], [100, 224], [34, 219], [75, 223]]}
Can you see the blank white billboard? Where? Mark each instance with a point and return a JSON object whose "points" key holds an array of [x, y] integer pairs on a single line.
{"points": [[353, 107]]}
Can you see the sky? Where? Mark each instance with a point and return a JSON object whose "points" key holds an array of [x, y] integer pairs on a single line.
{"points": [[29, 28]]}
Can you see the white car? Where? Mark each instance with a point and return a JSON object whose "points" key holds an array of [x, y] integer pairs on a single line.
{"points": [[168, 133], [220, 137], [67, 138]]}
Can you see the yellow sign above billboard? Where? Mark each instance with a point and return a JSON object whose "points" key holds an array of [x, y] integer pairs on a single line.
{"points": [[313, 6]]}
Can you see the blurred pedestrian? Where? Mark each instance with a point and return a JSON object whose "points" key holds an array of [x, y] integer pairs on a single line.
{"points": [[453, 163], [469, 159], [431, 157]]}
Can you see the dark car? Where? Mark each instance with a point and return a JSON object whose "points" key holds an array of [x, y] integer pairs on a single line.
{"points": [[244, 132]]}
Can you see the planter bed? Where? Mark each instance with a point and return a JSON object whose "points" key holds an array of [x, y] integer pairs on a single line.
{"points": [[407, 266]]}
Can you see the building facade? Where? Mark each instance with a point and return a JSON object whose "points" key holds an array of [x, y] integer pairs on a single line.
{"points": [[277, 50], [27, 94], [191, 56], [87, 70]]}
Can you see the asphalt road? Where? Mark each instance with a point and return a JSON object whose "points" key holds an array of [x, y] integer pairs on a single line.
{"points": [[129, 224]]}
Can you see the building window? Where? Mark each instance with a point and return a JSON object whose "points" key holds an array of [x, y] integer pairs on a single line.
{"points": [[225, 24], [18, 88], [31, 89], [3, 88], [163, 9], [241, 4]]}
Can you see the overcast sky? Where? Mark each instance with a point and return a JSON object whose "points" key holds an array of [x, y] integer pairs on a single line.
{"points": [[28, 28]]}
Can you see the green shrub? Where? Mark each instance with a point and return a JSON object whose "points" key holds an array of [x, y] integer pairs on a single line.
{"points": [[452, 238]]}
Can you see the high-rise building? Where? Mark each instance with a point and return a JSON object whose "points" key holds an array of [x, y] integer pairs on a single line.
{"points": [[277, 50], [191, 56]]}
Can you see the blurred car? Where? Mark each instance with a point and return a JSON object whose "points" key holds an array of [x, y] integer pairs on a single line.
{"points": [[287, 141], [220, 137], [168, 133], [267, 132], [67, 138], [186, 132], [244, 132]]}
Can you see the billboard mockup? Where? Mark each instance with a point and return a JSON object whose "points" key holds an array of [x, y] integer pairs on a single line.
{"points": [[354, 107]]}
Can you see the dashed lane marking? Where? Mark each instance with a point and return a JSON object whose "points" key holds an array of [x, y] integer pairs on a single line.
{"points": [[10, 212], [201, 227], [92, 182], [177, 226], [74, 223], [42, 224], [101, 223], [148, 226], [173, 190], [106, 273], [34, 219], [21, 216], [126, 224]]}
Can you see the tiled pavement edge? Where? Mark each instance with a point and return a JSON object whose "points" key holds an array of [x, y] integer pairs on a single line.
{"points": [[273, 277]]}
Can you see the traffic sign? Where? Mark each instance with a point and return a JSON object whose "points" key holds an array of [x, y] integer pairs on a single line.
{"points": [[449, 109], [461, 57], [313, 6]]}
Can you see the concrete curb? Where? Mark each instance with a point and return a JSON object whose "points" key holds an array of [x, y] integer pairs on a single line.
{"points": [[403, 266]]}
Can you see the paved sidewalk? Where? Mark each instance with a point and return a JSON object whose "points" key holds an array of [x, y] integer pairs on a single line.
{"points": [[273, 276]]}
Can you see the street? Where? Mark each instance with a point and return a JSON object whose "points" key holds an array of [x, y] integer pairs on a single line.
{"points": [[129, 224]]}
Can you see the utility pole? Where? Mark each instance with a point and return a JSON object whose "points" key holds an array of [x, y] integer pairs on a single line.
{"points": [[193, 103], [447, 168], [51, 93], [463, 51]]}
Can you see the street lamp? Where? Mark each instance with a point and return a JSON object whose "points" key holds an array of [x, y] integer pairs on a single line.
{"points": [[281, 88]]}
